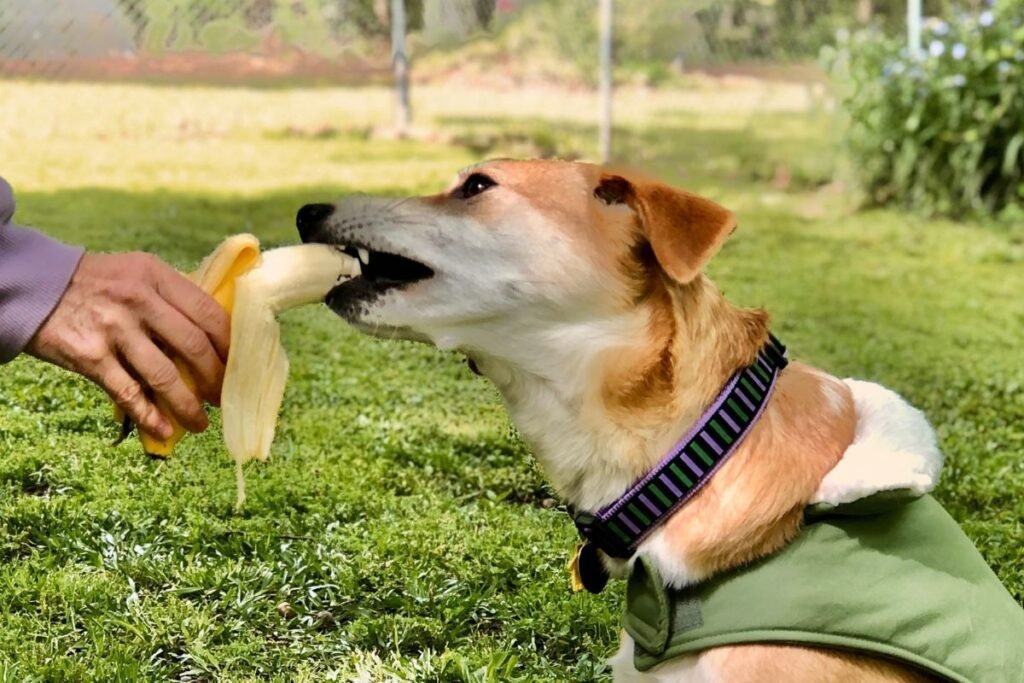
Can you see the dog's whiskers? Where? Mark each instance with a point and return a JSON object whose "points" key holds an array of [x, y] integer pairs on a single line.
{"points": [[394, 204]]}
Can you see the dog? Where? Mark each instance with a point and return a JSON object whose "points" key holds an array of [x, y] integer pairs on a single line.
{"points": [[579, 292]]}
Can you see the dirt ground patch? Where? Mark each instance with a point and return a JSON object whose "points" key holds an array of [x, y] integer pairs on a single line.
{"points": [[293, 67]]}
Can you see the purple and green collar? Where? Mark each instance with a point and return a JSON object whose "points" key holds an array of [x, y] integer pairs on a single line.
{"points": [[619, 528]]}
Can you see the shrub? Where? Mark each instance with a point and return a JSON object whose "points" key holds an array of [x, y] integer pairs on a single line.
{"points": [[944, 132]]}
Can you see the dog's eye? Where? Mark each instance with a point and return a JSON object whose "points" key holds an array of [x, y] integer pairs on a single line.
{"points": [[474, 185]]}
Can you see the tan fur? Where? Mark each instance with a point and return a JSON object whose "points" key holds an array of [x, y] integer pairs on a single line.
{"points": [[754, 505], [643, 384], [778, 663], [676, 343], [605, 234], [695, 341], [683, 229], [694, 348]]}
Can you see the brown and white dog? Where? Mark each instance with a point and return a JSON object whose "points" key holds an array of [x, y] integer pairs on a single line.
{"points": [[578, 292]]}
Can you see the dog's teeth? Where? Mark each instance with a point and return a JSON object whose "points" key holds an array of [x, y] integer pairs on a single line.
{"points": [[364, 256]]}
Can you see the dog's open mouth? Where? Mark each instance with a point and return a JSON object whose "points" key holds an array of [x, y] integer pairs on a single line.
{"points": [[380, 271]]}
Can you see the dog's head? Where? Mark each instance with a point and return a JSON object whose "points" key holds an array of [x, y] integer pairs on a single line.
{"points": [[512, 244]]}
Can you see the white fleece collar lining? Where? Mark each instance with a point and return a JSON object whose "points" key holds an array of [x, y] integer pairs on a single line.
{"points": [[894, 449]]}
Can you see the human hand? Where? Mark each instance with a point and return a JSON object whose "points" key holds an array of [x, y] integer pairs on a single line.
{"points": [[105, 325]]}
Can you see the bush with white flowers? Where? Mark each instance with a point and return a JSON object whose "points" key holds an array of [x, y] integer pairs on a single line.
{"points": [[941, 132]]}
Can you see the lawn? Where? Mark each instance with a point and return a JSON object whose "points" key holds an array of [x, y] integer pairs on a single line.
{"points": [[400, 522]]}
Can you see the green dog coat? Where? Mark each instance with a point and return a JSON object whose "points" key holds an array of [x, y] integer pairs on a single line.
{"points": [[881, 576]]}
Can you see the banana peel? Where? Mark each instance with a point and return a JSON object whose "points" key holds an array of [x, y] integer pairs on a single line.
{"points": [[252, 287], [216, 275]]}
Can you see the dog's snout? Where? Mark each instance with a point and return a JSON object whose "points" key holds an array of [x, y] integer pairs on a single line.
{"points": [[310, 217]]}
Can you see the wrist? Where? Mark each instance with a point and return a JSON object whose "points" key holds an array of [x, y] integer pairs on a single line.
{"points": [[35, 271]]}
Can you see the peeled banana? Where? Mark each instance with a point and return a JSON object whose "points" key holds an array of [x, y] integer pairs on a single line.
{"points": [[253, 287], [257, 367]]}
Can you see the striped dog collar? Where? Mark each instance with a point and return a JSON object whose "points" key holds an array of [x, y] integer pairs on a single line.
{"points": [[620, 527]]}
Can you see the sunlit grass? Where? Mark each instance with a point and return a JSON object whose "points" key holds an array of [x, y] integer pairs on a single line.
{"points": [[399, 519]]}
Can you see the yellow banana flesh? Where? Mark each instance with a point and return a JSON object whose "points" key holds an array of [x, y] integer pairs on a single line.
{"points": [[257, 368]]}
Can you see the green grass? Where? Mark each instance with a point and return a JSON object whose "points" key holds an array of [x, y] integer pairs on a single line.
{"points": [[399, 517]]}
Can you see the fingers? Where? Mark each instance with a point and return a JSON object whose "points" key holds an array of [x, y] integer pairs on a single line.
{"points": [[129, 395], [157, 372], [189, 343], [195, 304]]}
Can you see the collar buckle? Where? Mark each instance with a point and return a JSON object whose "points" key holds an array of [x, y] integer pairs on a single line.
{"points": [[592, 530]]}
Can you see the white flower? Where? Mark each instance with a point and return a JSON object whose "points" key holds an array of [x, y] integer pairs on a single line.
{"points": [[939, 27], [957, 80], [1003, 66], [986, 18], [936, 48], [959, 51]]}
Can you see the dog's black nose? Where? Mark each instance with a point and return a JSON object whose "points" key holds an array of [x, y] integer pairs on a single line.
{"points": [[309, 218]]}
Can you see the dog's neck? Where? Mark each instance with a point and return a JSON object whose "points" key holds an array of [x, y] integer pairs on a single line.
{"points": [[601, 399]]}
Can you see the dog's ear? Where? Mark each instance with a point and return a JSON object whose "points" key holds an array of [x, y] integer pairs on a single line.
{"points": [[684, 230]]}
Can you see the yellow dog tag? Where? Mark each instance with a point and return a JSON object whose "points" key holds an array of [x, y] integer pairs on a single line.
{"points": [[586, 570], [575, 579]]}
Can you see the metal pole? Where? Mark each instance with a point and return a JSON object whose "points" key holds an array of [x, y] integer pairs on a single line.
{"points": [[914, 28], [605, 139], [400, 59]]}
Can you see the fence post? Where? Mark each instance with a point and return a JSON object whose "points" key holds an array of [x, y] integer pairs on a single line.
{"points": [[865, 10], [914, 28], [400, 60], [605, 136]]}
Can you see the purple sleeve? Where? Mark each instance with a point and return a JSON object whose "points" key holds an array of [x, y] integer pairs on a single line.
{"points": [[34, 272]]}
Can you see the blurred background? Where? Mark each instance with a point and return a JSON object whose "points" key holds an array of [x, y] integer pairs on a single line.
{"points": [[873, 151], [784, 84]]}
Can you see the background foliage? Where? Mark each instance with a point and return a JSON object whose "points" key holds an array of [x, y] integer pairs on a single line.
{"points": [[943, 133], [652, 32]]}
